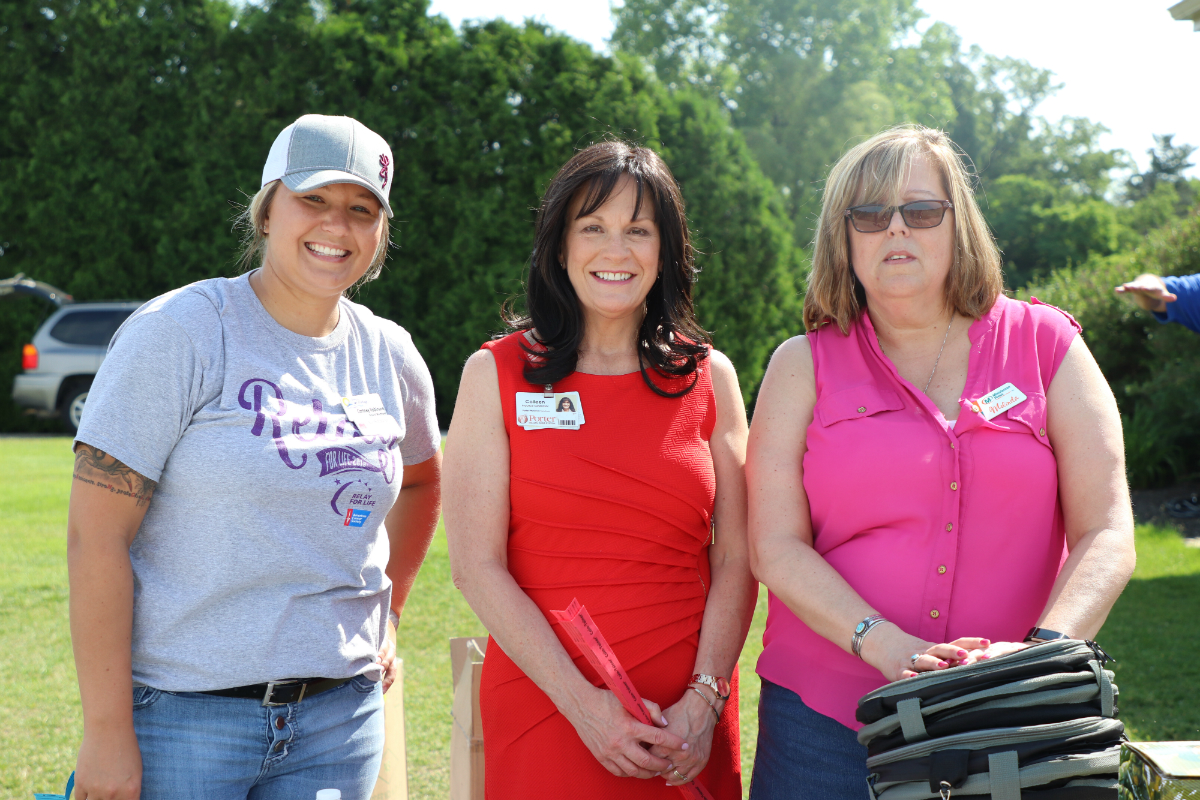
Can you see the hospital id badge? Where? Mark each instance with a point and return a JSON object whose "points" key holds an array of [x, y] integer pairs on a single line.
{"points": [[999, 399], [367, 413], [539, 410]]}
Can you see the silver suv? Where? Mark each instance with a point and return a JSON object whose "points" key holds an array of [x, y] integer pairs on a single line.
{"points": [[63, 357]]}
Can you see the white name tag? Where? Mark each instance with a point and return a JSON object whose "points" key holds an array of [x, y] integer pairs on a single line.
{"points": [[999, 399], [561, 410], [367, 413]]}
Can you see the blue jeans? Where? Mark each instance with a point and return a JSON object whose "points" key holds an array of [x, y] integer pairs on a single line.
{"points": [[803, 755], [201, 747]]}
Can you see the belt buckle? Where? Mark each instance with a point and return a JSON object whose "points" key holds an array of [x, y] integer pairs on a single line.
{"points": [[267, 701]]}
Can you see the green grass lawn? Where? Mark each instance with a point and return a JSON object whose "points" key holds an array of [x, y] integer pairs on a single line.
{"points": [[1153, 632]]}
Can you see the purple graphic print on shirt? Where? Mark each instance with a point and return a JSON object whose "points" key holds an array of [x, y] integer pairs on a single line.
{"points": [[295, 417]]}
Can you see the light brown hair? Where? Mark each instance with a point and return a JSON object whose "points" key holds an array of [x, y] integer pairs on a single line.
{"points": [[254, 239], [877, 171]]}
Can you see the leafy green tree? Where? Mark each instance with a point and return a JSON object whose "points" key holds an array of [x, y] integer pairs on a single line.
{"points": [[1168, 162], [1163, 190], [800, 78], [129, 129], [1040, 227], [751, 275], [1154, 369], [805, 79]]}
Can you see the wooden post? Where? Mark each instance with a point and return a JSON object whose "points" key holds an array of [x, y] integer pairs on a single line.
{"points": [[393, 772], [466, 734]]}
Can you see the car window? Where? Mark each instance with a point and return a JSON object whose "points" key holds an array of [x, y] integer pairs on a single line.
{"points": [[89, 327]]}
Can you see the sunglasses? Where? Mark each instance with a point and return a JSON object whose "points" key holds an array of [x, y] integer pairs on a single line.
{"points": [[921, 214]]}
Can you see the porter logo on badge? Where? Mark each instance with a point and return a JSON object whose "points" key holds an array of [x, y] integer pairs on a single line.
{"points": [[1000, 399], [536, 411]]}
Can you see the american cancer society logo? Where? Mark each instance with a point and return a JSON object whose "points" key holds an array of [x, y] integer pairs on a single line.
{"points": [[355, 518]]}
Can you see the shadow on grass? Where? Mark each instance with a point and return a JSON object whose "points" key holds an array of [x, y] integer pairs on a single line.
{"points": [[1152, 632]]}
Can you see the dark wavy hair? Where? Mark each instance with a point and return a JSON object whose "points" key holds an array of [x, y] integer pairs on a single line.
{"points": [[671, 342]]}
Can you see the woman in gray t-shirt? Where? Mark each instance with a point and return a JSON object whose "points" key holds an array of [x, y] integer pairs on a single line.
{"points": [[256, 484]]}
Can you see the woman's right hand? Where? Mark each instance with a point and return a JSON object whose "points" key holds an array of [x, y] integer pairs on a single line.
{"points": [[616, 739], [109, 766]]}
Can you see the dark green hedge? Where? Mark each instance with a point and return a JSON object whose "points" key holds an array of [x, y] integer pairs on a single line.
{"points": [[1154, 369], [129, 129]]}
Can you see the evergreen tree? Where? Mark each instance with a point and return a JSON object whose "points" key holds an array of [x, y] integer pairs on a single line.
{"points": [[130, 128]]}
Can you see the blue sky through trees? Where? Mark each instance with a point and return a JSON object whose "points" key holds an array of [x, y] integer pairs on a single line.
{"points": [[1126, 65]]}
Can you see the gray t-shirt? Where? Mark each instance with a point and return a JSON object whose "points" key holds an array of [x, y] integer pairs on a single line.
{"points": [[262, 553]]}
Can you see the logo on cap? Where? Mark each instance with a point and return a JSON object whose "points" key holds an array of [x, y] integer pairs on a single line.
{"points": [[383, 165]]}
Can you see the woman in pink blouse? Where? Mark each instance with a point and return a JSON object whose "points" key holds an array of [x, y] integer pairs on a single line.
{"points": [[934, 469]]}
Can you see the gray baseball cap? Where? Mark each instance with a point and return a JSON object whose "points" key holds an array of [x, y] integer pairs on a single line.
{"points": [[316, 150]]}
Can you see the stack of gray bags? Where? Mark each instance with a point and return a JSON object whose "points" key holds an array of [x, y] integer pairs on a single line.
{"points": [[1038, 724]]}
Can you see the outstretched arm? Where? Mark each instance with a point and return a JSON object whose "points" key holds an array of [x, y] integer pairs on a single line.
{"points": [[108, 502], [1150, 292]]}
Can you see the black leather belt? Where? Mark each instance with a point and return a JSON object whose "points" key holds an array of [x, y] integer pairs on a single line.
{"points": [[280, 693]]}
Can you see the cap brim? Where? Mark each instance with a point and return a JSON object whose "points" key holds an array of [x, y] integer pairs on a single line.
{"points": [[315, 179]]}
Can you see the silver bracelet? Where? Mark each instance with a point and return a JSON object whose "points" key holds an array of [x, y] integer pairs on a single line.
{"points": [[710, 702], [861, 630]]}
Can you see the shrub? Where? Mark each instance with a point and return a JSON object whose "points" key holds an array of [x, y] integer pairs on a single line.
{"points": [[1154, 369], [129, 128]]}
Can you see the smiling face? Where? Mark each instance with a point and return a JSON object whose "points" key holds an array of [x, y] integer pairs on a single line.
{"points": [[321, 242], [902, 262], [612, 258]]}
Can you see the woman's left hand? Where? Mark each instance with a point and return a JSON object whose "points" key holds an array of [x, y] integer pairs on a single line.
{"points": [[993, 650], [387, 657], [692, 720], [998, 649]]}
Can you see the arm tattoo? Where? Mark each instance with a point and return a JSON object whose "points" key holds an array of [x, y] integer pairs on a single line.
{"points": [[98, 468]]}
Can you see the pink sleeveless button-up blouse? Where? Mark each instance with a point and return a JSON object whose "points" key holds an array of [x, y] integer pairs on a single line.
{"points": [[946, 531]]}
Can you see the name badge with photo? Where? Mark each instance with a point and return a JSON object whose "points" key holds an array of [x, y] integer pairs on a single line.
{"points": [[367, 413], [561, 410], [999, 399]]}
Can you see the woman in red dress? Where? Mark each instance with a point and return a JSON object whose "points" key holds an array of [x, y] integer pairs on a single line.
{"points": [[610, 498]]}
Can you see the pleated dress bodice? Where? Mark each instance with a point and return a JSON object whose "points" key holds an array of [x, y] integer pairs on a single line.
{"points": [[618, 514]]}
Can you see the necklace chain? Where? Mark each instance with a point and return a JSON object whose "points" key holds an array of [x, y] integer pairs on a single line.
{"points": [[937, 360], [925, 391]]}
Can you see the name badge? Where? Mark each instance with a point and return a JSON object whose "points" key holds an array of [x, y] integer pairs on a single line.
{"points": [[561, 410], [367, 413], [999, 399]]}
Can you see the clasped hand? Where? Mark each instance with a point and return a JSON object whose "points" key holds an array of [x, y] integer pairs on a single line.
{"points": [[622, 745], [693, 721]]}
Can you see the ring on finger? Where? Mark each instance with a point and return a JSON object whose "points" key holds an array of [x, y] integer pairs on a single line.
{"points": [[679, 775]]}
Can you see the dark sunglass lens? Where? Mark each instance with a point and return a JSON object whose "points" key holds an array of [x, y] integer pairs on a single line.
{"points": [[871, 218], [924, 214]]}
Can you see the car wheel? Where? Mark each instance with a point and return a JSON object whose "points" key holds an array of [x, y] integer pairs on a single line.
{"points": [[72, 408]]}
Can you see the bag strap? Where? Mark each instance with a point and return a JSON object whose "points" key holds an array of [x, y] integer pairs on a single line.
{"points": [[911, 722], [1106, 688], [1004, 774]]}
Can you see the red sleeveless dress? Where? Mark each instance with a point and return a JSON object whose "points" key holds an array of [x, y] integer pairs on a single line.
{"points": [[618, 514]]}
